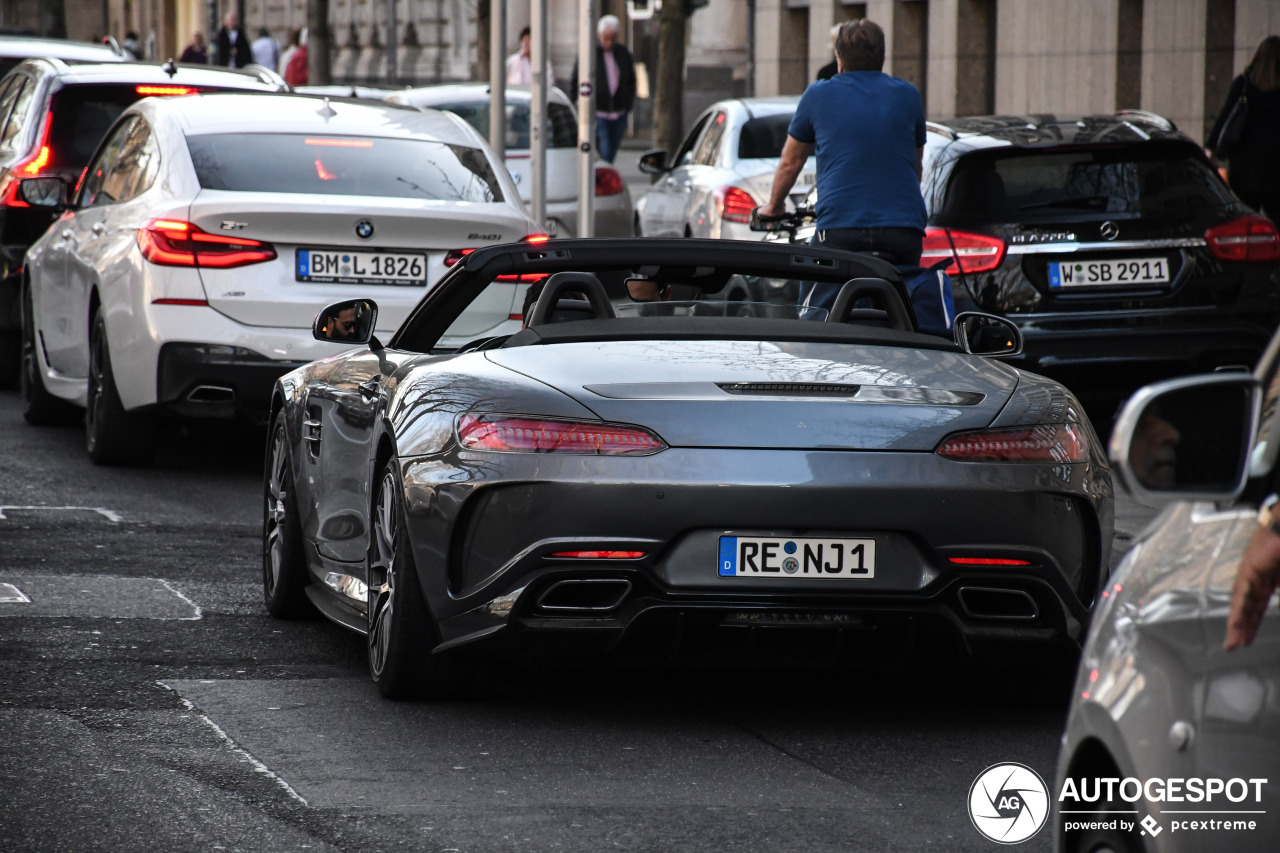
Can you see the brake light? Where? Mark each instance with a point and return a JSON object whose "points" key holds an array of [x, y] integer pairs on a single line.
{"points": [[37, 165], [160, 91], [1045, 443], [517, 434], [600, 555], [30, 168], [174, 243], [1249, 238], [339, 143], [454, 255], [734, 204], [536, 238], [608, 181], [988, 561], [968, 252]]}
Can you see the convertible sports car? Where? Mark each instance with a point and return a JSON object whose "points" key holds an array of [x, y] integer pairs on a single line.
{"points": [[648, 470]]}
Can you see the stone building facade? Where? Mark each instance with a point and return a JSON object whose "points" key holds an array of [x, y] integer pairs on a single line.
{"points": [[1173, 57]]}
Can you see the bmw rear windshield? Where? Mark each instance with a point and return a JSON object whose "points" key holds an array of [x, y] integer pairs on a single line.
{"points": [[343, 165], [1152, 181]]}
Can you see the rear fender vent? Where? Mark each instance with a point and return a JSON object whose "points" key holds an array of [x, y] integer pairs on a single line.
{"points": [[789, 389]]}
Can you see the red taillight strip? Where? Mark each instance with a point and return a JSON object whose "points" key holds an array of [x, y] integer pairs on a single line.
{"points": [[600, 555], [189, 302], [165, 90], [519, 434], [734, 204], [988, 561], [175, 243], [1250, 238], [339, 143], [969, 253], [1052, 443]]}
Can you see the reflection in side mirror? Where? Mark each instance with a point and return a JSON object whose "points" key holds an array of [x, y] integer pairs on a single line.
{"points": [[349, 322], [653, 161], [48, 193], [1187, 439], [987, 334]]}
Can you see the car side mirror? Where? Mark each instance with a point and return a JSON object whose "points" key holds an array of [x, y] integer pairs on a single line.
{"points": [[349, 322], [986, 334], [46, 193], [654, 161], [1188, 438]]}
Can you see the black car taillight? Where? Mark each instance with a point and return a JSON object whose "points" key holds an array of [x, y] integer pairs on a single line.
{"points": [[1249, 238], [1051, 443], [968, 252], [174, 243], [521, 434]]}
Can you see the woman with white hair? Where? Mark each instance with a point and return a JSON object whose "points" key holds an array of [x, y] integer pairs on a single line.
{"points": [[615, 87]]}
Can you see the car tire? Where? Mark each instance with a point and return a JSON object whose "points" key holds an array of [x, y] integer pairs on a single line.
{"points": [[401, 632], [39, 407], [113, 436], [10, 358], [284, 565]]}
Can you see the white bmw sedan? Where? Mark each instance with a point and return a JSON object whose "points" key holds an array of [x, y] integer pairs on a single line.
{"points": [[721, 172], [184, 275]]}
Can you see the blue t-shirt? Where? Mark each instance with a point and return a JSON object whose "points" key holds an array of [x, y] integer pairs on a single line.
{"points": [[867, 127]]}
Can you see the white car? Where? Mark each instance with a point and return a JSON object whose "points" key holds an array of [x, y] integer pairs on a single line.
{"points": [[185, 274], [471, 102], [723, 170]]}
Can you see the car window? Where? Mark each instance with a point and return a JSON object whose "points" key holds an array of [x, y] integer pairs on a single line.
{"points": [[135, 166], [562, 124], [685, 155], [81, 117], [763, 137], [95, 191], [709, 147], [11, 136], [343, 165], [1152, 181]]}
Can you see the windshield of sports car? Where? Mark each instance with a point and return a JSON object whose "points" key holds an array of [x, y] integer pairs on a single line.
{"points": [[343, 165]]}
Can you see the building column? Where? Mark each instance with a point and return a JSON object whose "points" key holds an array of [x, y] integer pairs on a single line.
{"points": [[941, 74], [781, 49], [822, 17], [1173, 62]]}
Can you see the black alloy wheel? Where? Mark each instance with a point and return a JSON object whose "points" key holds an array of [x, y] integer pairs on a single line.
{"points": [[401, 633], [39, 407], [113, 436], [284, 567]]}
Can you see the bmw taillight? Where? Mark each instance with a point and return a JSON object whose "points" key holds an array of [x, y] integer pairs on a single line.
{"points": [[174, 243], [1249, 238], [967, 252], [518, 434], [608, 181], [1045, 443], [734, 204]]}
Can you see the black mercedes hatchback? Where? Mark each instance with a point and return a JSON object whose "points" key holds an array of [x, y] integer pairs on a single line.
{"points": [[1111, 241]]}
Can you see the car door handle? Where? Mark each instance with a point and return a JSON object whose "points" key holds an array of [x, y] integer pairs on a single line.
{"points": [[99, 228], [369, 390]]}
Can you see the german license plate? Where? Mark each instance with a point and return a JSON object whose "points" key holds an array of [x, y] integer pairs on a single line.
{"points": [[1103, 273], [338, 266], [772, 556]]}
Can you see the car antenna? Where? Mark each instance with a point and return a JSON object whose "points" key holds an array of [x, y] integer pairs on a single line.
{"points": [[170, 68], [327, 111]]}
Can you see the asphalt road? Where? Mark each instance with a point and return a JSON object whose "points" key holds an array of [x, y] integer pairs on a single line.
{"points": [[147, 702]]}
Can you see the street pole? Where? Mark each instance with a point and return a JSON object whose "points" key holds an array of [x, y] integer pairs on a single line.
{"points": [[211, 43], [498, 78], [586, 118], [538, 113], [391, 42]]}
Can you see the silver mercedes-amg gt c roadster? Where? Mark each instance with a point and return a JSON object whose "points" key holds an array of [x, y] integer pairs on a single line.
{"points": [[580, 447]]}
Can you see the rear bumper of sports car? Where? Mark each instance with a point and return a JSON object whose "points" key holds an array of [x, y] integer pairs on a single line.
{"points": [[487, 547]]}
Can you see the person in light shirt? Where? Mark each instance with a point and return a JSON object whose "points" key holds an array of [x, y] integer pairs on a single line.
{"points": [[519, 71]]}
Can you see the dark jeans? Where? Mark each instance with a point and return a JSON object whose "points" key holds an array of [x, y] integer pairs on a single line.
{"points": [[901, 244], [609, 136], [902, 247]]}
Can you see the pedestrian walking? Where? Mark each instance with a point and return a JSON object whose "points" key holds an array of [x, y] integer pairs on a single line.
{"points": [[265, 49], [615, 87], [133, 45], [233, 43], [195, 53], [867, 130], [519, 71], [298, 71], [295, 38], [1249, 143]]}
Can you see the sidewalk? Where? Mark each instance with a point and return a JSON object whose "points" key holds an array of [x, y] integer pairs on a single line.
{"points": [[627, 164]]}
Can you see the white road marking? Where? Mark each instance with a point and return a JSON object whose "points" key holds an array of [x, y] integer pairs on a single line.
{"points": [[10, 594], [108, 514], [257, 765], [196, 607]]}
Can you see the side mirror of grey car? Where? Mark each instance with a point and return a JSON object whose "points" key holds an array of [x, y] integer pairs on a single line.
{"points": [[349, 322], [1188, 438], [654, 161], [46, 193], [986, 334]]}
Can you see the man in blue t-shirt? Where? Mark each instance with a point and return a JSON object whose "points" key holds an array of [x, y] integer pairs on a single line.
{"points": [[867, 129]]}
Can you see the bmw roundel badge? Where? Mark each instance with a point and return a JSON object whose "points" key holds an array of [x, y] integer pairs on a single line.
{"points": [[364, 229]]}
